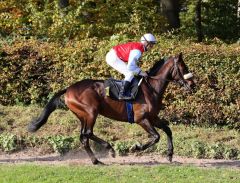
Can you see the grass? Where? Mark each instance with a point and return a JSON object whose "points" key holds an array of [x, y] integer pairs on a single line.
{"points": [[189, 141], [131, 174], [14, 119]]}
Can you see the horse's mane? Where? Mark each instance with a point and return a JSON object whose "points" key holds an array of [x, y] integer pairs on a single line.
{"points": [[156, 67]]}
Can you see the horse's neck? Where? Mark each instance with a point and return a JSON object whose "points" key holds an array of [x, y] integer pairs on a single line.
{"points": [[154, 93], [161, 84]]}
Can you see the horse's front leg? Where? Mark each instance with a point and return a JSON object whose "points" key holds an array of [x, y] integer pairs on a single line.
{"points": [[163, 124], [148, 127]]}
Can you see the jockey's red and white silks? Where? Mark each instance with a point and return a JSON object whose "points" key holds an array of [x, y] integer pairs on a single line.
{"points": [[124, 58], [127, 69], [123, 50]]}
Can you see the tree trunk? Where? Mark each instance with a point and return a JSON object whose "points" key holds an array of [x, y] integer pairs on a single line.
{"points": [[238, 9], [63, 3], [171, 10], [198, 21]]}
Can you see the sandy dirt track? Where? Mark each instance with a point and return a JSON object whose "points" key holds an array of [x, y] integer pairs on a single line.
{"points": [[81, 158]]}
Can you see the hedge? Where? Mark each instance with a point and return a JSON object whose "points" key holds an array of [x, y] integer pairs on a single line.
{"points": [[32, 70]]}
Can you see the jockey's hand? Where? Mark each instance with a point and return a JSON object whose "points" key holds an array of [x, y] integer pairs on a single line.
{"points": [[142, 73]]}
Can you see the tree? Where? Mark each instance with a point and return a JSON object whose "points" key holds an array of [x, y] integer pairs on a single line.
{"points": [[63, 3], [198, 21], [238, 11], [171, 9]]}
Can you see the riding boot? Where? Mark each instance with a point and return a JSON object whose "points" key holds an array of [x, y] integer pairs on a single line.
{"points": [[123, 90]]}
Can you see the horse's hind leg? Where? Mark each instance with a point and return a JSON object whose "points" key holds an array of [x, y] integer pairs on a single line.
{"points": [[87, 122], [85, 141], [84, 102], [87, 119], [87, 133]]}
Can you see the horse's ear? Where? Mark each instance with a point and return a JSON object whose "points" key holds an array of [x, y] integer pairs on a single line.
{"points": [[180, 56]]}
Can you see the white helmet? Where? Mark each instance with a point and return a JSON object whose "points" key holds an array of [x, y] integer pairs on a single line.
{"points": [[148, 38]]}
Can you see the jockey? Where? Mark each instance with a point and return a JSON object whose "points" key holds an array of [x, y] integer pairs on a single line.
{"points": [[124, 58]]}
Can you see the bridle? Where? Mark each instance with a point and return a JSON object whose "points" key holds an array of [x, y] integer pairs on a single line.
{"points": [[175, 70], [182, 80]]}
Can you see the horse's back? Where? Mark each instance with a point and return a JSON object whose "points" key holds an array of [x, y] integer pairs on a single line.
{"points": [[84, 92], [85, 84], [89, 95]]}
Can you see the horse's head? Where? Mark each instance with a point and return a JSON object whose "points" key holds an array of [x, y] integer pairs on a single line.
{"points": [[180, 73]]}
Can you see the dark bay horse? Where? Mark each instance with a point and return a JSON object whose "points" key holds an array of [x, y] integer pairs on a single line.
{"points": [[87, 98]]}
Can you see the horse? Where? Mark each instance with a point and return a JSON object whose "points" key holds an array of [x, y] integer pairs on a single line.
{"points": [[87, 98]]}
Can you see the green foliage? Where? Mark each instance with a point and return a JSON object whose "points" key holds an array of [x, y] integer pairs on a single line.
{"points": [[122, 147], [189, 140], [34, 141], [93, 18], [44, 48], [216, 100], [33, 70], [231, 153], [28, 71], [219, 19], [61, 144], [8, 142], [216, 151], [80, 20], [199, 149]]}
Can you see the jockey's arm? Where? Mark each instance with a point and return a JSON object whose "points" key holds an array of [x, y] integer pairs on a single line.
{"points": [[132, 66]]}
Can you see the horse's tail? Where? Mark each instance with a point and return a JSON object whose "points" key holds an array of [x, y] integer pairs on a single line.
{"points": [[49, 108]]}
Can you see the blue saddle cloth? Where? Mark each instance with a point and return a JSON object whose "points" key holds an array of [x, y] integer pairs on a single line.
{"points": [[113, 87], [130, 112]]}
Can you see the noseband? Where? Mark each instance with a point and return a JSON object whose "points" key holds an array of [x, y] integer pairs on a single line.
{"points": [[183, 78]]}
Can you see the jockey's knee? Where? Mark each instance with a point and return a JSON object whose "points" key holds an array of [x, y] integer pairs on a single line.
{"points": [[129, 76]]}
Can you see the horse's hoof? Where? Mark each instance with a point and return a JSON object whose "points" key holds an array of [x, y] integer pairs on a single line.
{"points": [[135, 148], [97, 162], [32, 128]]}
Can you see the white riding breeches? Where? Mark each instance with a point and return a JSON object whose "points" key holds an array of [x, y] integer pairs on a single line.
{"points": [[119, 65]]}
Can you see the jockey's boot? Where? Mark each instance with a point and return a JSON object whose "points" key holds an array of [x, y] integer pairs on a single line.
{"points": [[124, 88]]}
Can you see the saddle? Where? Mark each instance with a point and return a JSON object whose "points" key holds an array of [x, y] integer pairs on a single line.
{"points": [[112, 88]]}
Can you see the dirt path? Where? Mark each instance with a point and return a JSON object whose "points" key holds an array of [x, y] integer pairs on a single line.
{"points": [[80, 158]]}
